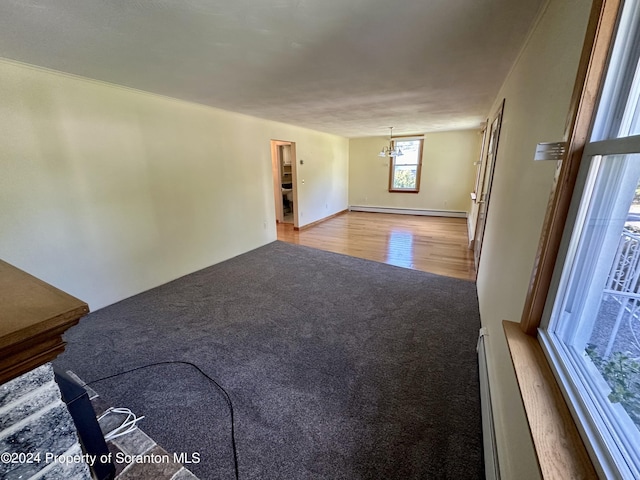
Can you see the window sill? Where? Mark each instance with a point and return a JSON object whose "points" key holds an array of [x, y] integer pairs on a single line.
{"points": [[560, 450]]}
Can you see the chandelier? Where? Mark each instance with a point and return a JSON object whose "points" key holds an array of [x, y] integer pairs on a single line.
{"points": [[390, 151]]}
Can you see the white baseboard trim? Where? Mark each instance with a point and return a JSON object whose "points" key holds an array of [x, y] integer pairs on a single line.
{"points": [[409, 211]]}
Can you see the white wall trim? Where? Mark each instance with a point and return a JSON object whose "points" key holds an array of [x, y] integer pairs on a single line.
{"points": [[409, 211]]}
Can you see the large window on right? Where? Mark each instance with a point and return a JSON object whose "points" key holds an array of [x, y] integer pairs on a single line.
{"points": [[591, 326]]}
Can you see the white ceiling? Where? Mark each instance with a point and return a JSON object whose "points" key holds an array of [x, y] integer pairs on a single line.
{"points": [[349, 67]]}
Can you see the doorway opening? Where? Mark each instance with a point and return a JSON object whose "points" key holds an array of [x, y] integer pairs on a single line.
{"points": [[283, 163]]}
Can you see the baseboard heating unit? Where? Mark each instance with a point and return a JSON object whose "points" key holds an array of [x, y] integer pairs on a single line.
{"points": [[491, 466], [409, 211]]}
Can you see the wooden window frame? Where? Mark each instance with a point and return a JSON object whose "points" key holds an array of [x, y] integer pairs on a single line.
{"points": [[559, 447], [392, 165], [593, 66]]}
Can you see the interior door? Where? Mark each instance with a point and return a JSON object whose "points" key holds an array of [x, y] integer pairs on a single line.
{"points": [[487, 179]]}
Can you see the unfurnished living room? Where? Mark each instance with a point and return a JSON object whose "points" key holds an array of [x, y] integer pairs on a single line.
{"points": [[303, 239]]}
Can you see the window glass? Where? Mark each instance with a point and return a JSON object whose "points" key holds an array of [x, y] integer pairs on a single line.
{"points": [[618, 114], [405, 169]]}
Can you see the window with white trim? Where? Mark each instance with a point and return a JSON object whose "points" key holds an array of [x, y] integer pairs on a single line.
{"points": [[591, 330]]}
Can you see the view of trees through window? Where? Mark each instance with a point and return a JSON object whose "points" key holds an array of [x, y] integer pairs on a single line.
{"points": [[405, 176], [405, 169]]}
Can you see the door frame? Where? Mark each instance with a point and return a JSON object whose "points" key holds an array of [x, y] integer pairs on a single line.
{"points": [[277, 181], [486, 183]]}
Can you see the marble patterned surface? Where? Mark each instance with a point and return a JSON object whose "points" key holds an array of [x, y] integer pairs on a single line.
{"points": [[37, 433], [24, 384], [16, 411], [67, 471]]}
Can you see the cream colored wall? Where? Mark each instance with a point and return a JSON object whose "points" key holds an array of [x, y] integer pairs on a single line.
{"points": [[323, 177], [448, 173], [106, 192], [537, 93]]}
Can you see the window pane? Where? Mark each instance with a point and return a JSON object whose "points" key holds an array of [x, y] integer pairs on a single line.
{"points": [[410, 152], [596, 320], [405, 176], [619, 114], [612, 343]]}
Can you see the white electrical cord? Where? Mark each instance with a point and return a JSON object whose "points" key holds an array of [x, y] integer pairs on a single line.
{"points": [[127, 426]]}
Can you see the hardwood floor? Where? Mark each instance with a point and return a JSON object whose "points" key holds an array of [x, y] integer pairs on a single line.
{"points": [[431, 244]]}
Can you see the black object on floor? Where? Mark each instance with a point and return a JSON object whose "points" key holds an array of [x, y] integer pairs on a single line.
{"points": [[84, 418]]}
